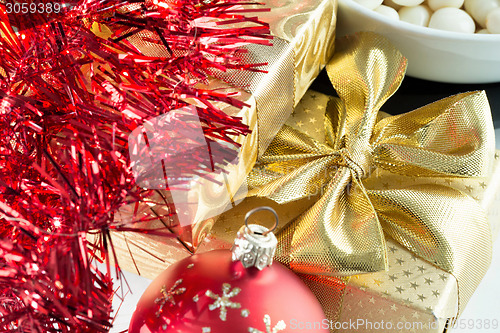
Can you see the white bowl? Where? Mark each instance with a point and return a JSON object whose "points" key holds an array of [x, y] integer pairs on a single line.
{"points": [[432, 54]]}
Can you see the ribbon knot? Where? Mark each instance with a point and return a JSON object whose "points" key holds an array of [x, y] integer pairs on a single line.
{"points": [[358, 163], [343, 232]]}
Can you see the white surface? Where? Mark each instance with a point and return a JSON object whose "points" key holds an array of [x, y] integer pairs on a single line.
{"points": [[137, 285], [442, 56]]}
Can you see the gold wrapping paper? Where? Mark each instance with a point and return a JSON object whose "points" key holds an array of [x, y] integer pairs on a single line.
{"points": [[413, 292], [304, 35]]}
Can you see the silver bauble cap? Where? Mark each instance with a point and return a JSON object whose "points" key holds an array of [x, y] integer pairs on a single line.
{"points": [[255, 244]]}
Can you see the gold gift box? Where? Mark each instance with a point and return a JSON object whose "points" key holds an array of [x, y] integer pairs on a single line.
{"points": [[303, 40], [413, 295], [413, 292]]}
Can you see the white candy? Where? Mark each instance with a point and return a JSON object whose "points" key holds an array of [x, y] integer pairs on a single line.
{"points": [[438, 4], [418, 15], [493, 21], [387, 12], [370, 4], [452, 19], [479, 9], [408, 2], [391, 4], [442, 14]]}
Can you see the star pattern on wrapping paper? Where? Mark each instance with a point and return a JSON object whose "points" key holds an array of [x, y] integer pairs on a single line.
{"points": [[280, 326], [168, 254], [407, 273], [168, 295], [482, 184], [223, 302], [407, 283]]}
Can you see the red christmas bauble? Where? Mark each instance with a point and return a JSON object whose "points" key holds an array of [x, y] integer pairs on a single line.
{"points": [[210, 292]]}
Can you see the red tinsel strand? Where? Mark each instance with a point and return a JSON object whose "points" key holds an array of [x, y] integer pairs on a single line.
{"points": [[73, 86], [61, 292]]}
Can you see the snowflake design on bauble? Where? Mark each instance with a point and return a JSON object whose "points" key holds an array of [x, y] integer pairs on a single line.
{"points": [[223, 302], [168, 295]]}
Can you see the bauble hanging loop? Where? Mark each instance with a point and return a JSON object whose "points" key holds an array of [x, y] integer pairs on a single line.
{"points": [[258, 209], [255, 245]]}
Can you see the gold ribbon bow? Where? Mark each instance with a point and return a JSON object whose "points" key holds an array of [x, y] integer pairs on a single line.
{"points": [[343, 232]]}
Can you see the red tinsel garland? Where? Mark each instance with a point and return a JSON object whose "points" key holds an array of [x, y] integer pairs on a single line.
{"points": [[73, 86]]}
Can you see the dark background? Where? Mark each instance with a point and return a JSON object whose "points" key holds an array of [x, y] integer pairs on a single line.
{"points": [[415, 93]]}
